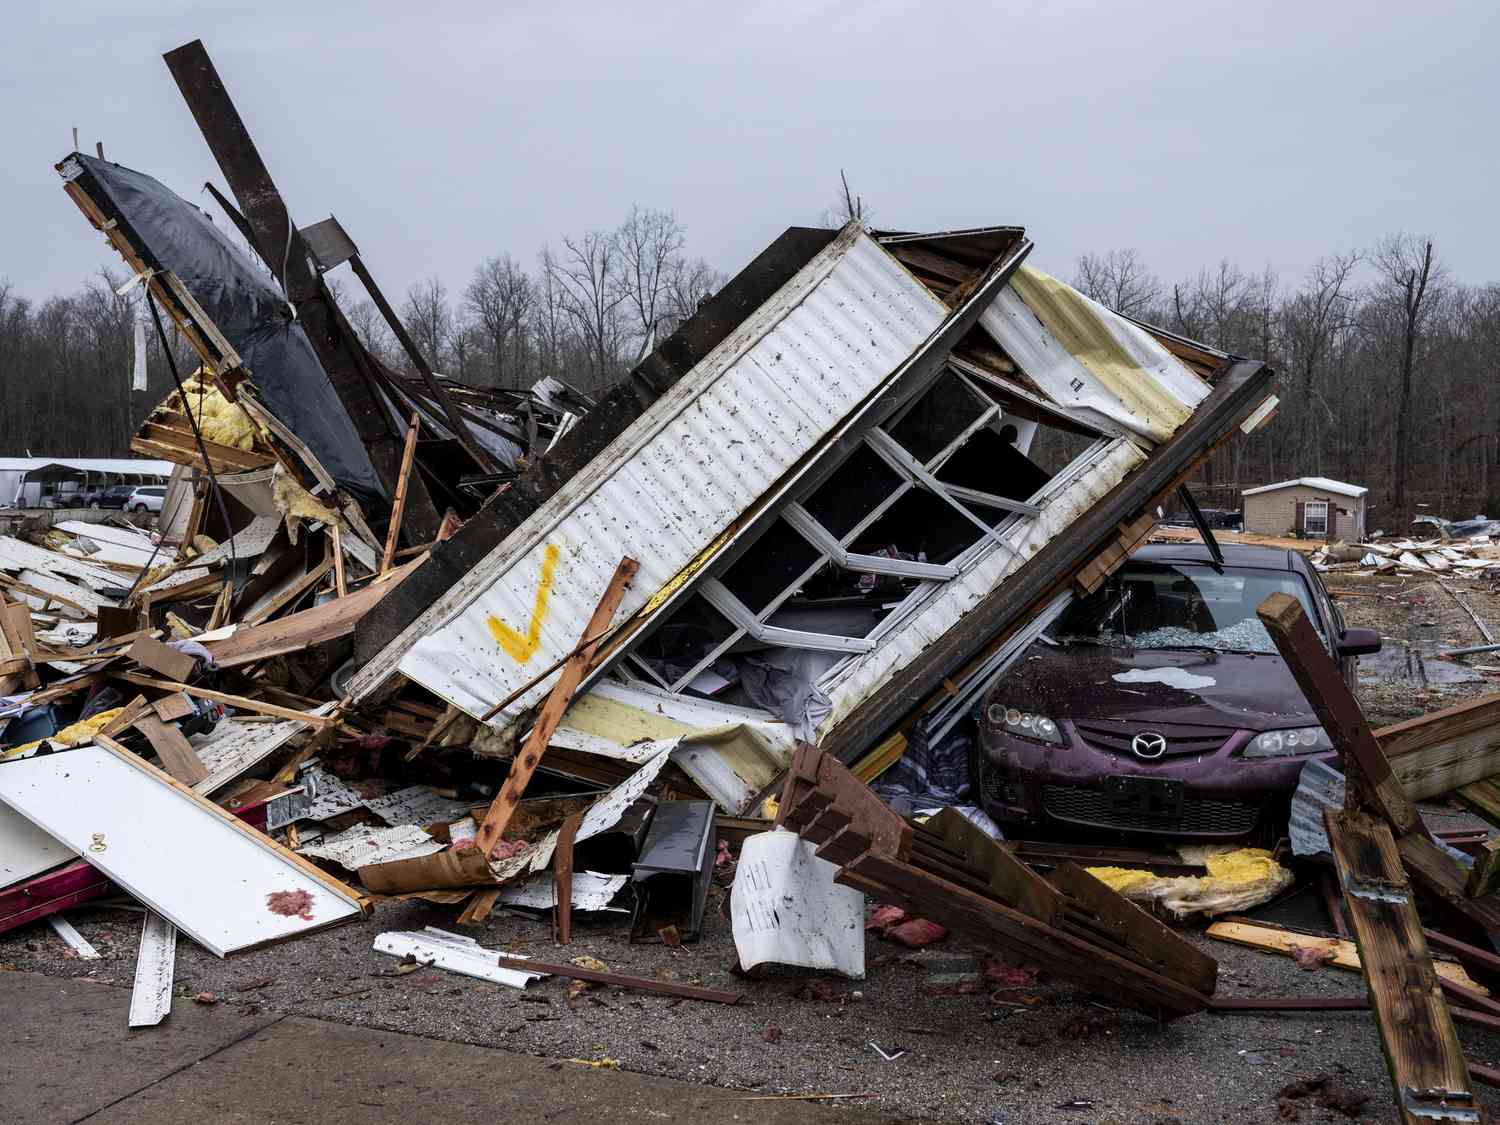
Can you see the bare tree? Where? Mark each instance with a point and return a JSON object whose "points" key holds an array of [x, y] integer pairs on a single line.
{"points": [[647, 247], [429, 320], [846, 206], [689, 285], [1410, 281], [500, 298], [1120, 280], [1312, 321], [587, 275]]}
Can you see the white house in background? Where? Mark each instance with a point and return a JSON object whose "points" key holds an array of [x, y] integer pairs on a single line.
{"points": [[1317, 507]]}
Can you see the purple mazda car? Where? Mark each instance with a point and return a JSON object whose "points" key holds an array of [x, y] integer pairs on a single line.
{"points": [[1158, 705]]}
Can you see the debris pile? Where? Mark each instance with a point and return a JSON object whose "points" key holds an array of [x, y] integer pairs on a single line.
{"points": [[399, 638]]}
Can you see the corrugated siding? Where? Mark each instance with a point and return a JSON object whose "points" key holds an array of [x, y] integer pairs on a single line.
{"points": [[866, 674], [1086, 357], [676, 479]]}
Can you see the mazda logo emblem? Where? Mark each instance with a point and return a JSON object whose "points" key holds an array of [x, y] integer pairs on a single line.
{"points": [[1149, 744]]}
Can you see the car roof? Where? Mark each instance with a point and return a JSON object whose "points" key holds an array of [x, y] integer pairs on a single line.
{"points": [[1235, 554]]}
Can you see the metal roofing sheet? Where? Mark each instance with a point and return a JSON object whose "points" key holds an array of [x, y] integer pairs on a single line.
{"points": [[1086, 357], [663, 491], [1337, 487]]}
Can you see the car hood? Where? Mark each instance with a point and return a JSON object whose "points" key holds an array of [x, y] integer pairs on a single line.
{"points": [[1242, 690]]}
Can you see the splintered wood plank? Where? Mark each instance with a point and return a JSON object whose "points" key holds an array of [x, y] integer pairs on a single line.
{"points": [[573, 670], [1436, 753], [1013, 882], [155, 967], [1146, 939], [1340, 952], [1484, 878], [177, 755], [1416, 1029], [562, 873], [1440, 875], [161, 659], [1481, 798], [1337, 709]]}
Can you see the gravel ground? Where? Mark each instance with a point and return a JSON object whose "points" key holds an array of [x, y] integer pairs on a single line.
{"points": [[971, 1055]]}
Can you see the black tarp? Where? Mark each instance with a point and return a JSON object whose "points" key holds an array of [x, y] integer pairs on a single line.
{"points": [[244, 302]]}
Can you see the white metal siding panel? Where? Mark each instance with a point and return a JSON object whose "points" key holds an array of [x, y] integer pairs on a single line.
{"points": [[679, 476], [864, 675], [1151, 394]]}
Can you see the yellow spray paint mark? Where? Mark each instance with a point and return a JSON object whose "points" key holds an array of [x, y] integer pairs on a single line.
{"points": [[522, 648]]}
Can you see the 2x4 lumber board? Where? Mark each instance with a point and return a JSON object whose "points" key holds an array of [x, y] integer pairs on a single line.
{"points": [[1437, 753], [1437, 873], [163, 659], [1341, 953], [1147, 939], [1421, 1045], [177, 755], [997, 926], [1012, 881], [1328, 693], [1484, 876], [292, 593], [524, 764], [239, 701], [304, 629], [224, 458], [1481, 798], [562, 873], [403, 478]]}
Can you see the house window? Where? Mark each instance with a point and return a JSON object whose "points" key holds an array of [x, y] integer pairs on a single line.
{"points": [[1315, 519]]}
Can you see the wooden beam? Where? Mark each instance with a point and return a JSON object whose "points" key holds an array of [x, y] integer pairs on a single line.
{"points": [[1438, 752], [1330, 698], [1440, 875], [1426, 1063], [562, 874], [1484, 876], [398, 510], [239, 701], [524, 764]]}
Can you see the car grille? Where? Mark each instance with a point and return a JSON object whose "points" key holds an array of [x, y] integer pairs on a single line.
{"points": [[1181, 739], [1090, 806]]}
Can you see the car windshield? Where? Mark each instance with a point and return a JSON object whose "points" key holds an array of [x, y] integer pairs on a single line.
{"points": [[1180, 605]]}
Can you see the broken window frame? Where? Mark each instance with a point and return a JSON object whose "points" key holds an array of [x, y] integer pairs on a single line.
{"points": [[834, 550]]}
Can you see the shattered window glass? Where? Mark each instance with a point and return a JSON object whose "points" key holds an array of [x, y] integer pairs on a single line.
{"points": [[1180, 605]]}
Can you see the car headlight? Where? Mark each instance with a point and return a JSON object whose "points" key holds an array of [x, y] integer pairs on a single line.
{"points": [[1024, 723], [1285, 743]]}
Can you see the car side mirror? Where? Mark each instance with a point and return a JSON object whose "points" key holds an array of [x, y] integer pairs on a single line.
{"points": [[1359, 642]]}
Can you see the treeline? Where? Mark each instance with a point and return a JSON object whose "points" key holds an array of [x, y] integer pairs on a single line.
{"points": [[1388, 367], [1387, 371]]}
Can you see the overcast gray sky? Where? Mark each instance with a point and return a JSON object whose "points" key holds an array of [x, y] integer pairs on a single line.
{"points": [[443, 132]]}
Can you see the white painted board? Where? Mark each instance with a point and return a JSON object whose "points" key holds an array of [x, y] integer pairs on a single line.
{"points": [[25, 850], [787, 909], [155, 969], [222, 887]]}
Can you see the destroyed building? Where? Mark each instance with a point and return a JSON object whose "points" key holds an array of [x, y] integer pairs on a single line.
{"points": [[413, 638]]}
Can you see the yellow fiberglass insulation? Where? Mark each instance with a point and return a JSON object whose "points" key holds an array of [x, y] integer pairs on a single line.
{"points": [[75, 735], [1237, 879], [221, 421]]}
